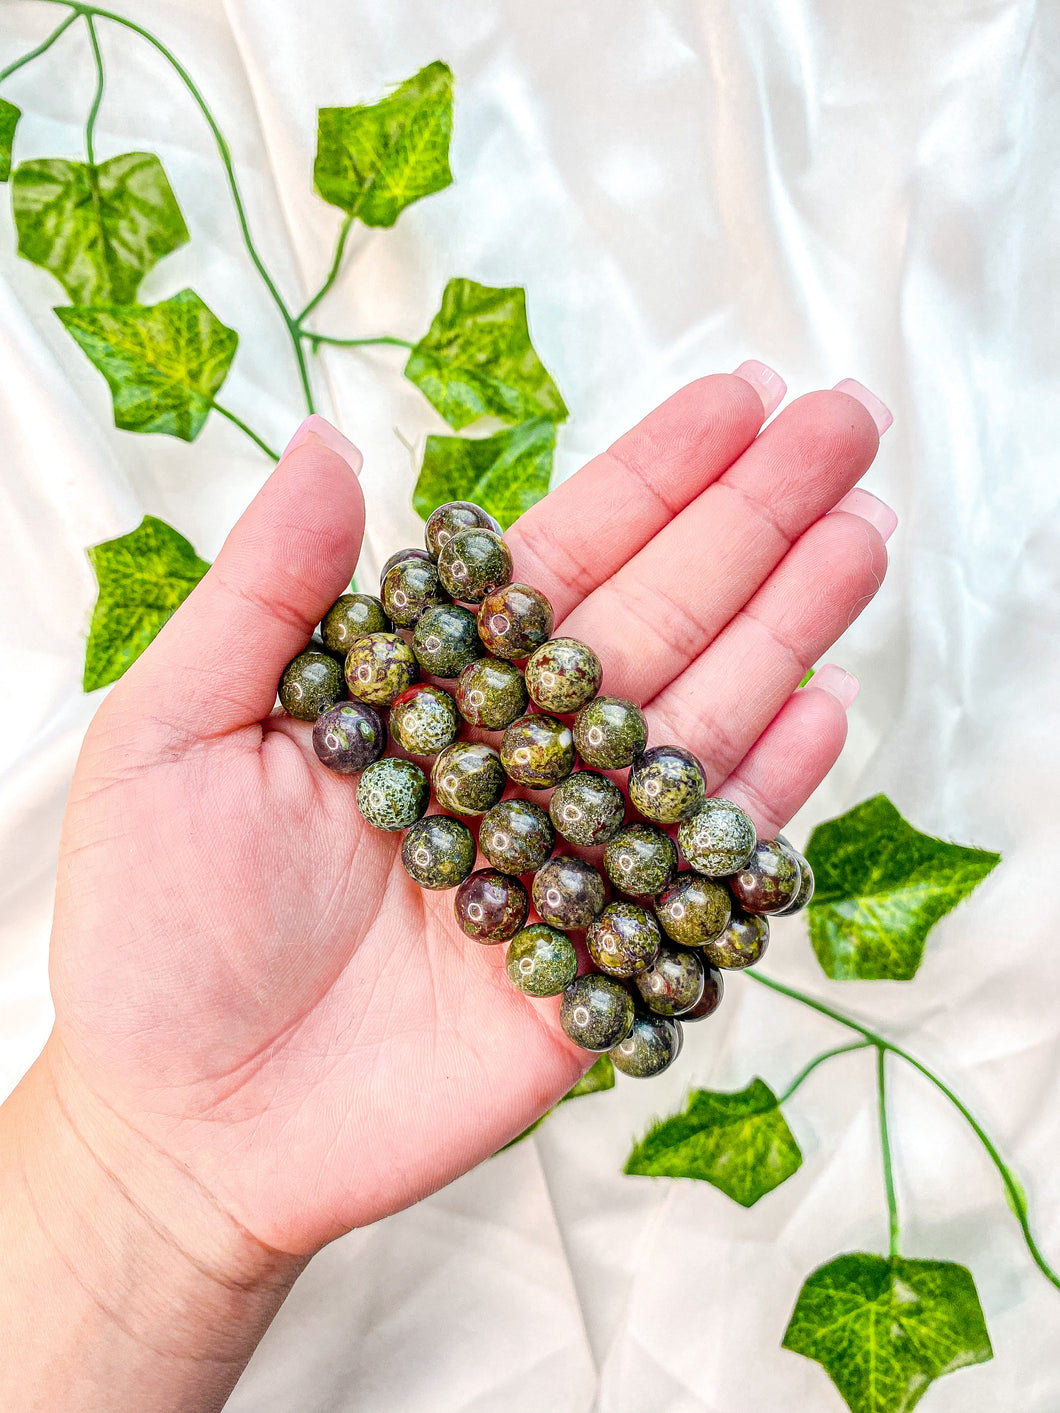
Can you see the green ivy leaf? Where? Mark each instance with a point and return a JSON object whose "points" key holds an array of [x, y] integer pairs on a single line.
{"points": [[600, 1075], [505, 474], [885, 1329], [9, 116], [143, 579], [98, 229], [374, 160], [738, 1141], [477, 359], [881, 887], [164, 363]]}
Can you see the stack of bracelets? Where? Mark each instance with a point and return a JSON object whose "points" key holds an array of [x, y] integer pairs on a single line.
{"points": [[658, 956]]}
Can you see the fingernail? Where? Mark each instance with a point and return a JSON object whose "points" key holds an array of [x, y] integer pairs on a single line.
{"points": [[768, 383], [869, 507], [877, 410], [320, 428], [837, 682]]}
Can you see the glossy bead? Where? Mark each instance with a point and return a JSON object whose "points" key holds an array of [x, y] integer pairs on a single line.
{"points": [[587, 808], [741, 944], [623, 939], [445, 640], [468, 777], [641, 860], [694, 909], [563, 675], [450, 519], [397, 558], [491, 693], [652, 1046], [516, 836], [597, 1011], [349, 618], [673, 983], [491, 906], [806, 887], [393, 793], [349, 736], [438, 851], [666, 784], [713, 992], [474, 563], [718, 839], [409, 587], [769, 880], [514, 621], [568, 892], [541, 960], [379, 667], [424, 720], [538, 750], [609, 732], [311, 683]]}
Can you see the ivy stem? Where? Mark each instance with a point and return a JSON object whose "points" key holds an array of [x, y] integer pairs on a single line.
{"points": [[885, 1148], [317, 339], [93, 112], [41, 48], [819, 1060], [333, 273], [238, 421]]}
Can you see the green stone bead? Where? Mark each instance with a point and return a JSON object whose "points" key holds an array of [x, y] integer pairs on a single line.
{"points": [[641, 860], [349, 736], [563, 675], [491, 906], [718, 839], [538, 750], [806, 887], [424, 720], [652, 1046], [514, 621], [568, 892], [770, 879], [491, 693], [666, 784], [609, 732], [474, 563], [673, 983], [311, 683], [349, 618], [587, 809], [411, 586], [597, 1012], [438, 851], [541, 960], [446, 639], [713, 992], [397, 559], [379, 667], [450, 519], [516, 836], [623, 940], [393, 793], [693, 910], [742, 943], [468, 778]]}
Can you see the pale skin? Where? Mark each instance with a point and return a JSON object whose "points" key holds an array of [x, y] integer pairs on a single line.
{"points": [[265, 1033]]}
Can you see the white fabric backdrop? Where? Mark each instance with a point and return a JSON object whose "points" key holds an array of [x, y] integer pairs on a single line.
{"points": [[837, 188]]}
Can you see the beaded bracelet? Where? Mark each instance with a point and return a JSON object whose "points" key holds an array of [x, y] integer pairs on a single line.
{"points": [[451, 611]]}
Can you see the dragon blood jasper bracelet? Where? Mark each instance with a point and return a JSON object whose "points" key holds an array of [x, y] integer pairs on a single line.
{"points": [[659, 948]]}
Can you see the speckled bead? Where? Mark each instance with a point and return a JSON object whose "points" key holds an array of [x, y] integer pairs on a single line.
{"points": [[491, 906], [393, 793], [379, 667], [666, 784], [397, 558], [718, 839], [411, 586], [450, 519], [424, 720], [597, 1012], [349, 618], [742, 943], [349, 736], [538, 750], [438, 851], [806, 887], [673, 984], [694, 909], [563, 675], [491, 693], [769, 880], [445, 640], [311, 683], [713, 992], [623, 939], [609, 732], [541, 960], [514, 621], [587, 808], [641, 860], [652, 1046], [516, 836], [474, 563], [568, 892], [468, 777]]}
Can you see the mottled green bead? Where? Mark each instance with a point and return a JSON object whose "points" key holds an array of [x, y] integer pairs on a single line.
{"points": [[623, 939], [349, 736], [541, 960], [379, 667], [806, 886], [474, 563], [491, 693], [597, 1012], [652, 1046], [641, 860], [438, 851], [673, 984], [693, 909], [450, 519], [468, 777], [718, 839], [349, 618], [609, 732], [769, 880], [587, 808], [538, 750], [411, 586], [445, 640], [568, 892], [514, 621], [516, 836], [393, 793], [713, 992], [491, 906], [311, 683], [666, 784], [742, 943], [563, 675], [424, 720], [397, 558]]}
